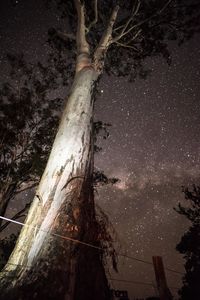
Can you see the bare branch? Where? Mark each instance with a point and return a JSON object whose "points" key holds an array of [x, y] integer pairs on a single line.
{"points": [[125, 26], [164, 7], [115, 40], [28, 187], [106, 39], [125, 32], [65, 35], [82, 44], [95, 16], [118, 28], [127, 46], [18, 215], [158, 12]]}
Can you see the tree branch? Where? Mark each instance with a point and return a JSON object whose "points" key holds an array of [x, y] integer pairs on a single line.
{"points": [[158, 12], [105, 41], [18, 215], [126, 46], [65, 35], [95, 16], [125, 26], [26, 188], [125, 32], [82, 44]]}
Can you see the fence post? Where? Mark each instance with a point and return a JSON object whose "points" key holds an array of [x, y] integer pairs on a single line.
{"points": [[163, 290]]}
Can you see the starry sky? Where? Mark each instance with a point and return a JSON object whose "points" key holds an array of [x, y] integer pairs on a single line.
{"points": [[153, 147]]}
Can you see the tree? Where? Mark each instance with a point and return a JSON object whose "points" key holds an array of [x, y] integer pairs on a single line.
{"points": [[189, 245], [59, 251], [6, 247], [25, 116]]}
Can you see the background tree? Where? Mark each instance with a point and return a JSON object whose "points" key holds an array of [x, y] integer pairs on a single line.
{"points": [[189, 245], [111, 36], [6, 247], [27, 113]]}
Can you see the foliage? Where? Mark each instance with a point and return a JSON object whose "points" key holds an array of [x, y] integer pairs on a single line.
{"points": [[100, 128], [28, 120], [99, 178], [6, 246], [142, 29], [189, 245], [107, 236]]}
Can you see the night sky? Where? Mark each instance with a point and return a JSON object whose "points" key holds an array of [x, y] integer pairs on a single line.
{"points": [[153, 146]]}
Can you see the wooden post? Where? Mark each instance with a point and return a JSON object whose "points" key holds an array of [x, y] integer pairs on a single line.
{"points": [[163, 290]]}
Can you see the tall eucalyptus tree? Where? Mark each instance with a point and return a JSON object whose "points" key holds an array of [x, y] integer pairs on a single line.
{"points": [[106, 36]]}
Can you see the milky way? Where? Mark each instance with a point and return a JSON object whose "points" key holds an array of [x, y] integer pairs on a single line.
{"points": [[153, 146], [154, 150]]}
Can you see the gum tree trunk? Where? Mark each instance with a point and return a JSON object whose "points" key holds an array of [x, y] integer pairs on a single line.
{"points": [[44, 265]]}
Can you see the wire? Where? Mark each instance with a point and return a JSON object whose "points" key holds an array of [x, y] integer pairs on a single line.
{"points": [[85, 244], [139, 282], [137, 259], [109, 278], [174, 271], [149, 263], [131, 281], [54, 234]]}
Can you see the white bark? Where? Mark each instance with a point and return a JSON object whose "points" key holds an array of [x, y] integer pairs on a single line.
{"points": [[66, 173], [68, 159]]}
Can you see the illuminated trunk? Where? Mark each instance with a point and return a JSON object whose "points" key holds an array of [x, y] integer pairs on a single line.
{"points": [[52, 266]]}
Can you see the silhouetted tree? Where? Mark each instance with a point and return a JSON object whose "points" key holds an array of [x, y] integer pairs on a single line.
{"points": [[6, 246], [27, 114], [189, 245], [111, 36]]}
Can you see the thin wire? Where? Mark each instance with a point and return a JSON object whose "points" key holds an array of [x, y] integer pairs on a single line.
{"points": [[139, 282], [137, 259], [174, 271], [131, 281], [149, 263], [86, 244], [112, 279], [54, 234]]}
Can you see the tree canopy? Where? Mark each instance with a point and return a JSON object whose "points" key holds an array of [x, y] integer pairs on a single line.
{"points": [[189, 245], [28, 121], [132, 30]]}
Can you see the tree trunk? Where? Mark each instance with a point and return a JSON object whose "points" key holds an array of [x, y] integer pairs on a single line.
{"points": [[46, 266]]}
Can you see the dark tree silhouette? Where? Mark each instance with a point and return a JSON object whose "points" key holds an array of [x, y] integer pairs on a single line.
{"points": [[189, 245], [27, 114], [6, 246]]}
